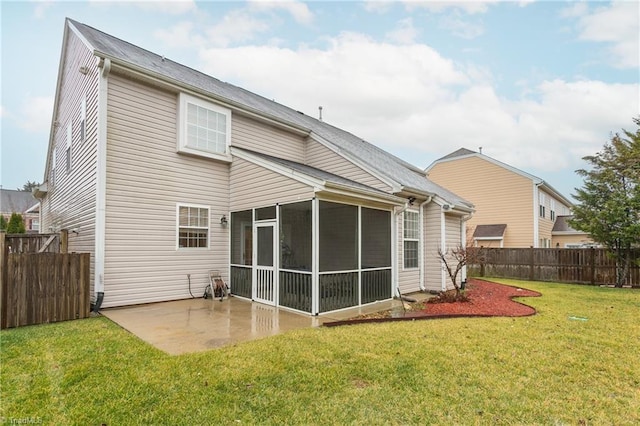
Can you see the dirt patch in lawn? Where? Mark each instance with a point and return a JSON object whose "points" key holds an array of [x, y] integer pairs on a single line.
{"points": [[486, 299]]}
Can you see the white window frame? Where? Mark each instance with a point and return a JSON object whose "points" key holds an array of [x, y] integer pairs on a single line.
{"points": [[35, 224], [198, 227], [405, 238], [183, 147]]}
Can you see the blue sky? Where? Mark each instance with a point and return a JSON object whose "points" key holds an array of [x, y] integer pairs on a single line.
{"points": [[537, 84]]}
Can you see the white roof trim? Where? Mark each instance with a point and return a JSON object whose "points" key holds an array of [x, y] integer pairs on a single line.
{"points": [[318, 185], [395, 186]]}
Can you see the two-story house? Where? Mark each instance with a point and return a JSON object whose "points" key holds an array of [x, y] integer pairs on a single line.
{"points": [[166, 173], [513, 207], [23, 202]]}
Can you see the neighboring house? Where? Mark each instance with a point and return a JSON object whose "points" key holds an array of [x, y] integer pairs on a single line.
{"points": [[513, 208], [564, 236], [22, 202], [166, 173]]}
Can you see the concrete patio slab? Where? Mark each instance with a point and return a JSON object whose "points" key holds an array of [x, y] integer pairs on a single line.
{"points": [[193, 325]]}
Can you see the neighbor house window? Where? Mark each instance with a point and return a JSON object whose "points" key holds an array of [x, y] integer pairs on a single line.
{"points": [[35, 224], [205, 128], [411, 239], [193, 226], [542, 199], [67, 152]]}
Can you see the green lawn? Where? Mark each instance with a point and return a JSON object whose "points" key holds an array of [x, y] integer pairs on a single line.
{"points": [[544, 369]]}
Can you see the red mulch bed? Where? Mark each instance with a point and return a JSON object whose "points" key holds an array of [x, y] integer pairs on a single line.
{"points": [[486, 299]]}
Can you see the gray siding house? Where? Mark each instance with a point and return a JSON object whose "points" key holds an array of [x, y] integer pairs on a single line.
{"points": [[166, 173]]}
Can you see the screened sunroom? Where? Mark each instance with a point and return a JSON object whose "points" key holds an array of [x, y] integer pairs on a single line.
{"points": [[312, 256]]}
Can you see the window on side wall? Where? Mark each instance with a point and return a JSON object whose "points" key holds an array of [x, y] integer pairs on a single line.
{"points": [[205, 128], [411, 239], [193, 226]]}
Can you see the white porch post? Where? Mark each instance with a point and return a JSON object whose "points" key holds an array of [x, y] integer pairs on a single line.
{"points": [[315, 258]]}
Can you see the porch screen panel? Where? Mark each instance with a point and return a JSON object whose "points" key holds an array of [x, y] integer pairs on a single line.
{"points": [[338, 291], [295, 290], [376, 285], [338, 245], [241, 237], [241, 281], [296, 236], [376, 238]]}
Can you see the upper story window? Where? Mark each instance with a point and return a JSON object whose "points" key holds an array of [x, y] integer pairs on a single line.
{"points": [[204, 128], [542, 199], [411, 239]]}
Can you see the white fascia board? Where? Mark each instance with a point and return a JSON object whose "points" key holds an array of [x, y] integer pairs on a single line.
{"points": [[52, 127], [350, 191], [488, 238], [395, 186], [315, 183], [118, 64], [552, 191], [560, 233], [33, 209]]}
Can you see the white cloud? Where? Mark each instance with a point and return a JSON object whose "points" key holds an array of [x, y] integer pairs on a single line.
{"points": [[169, 7], [410, 98], [41, 8], [35, 114], [237, 26], [617, 24], [460, 27], [298, 10], [470, 7], [406, 33], [378, 6], [180, 35]]}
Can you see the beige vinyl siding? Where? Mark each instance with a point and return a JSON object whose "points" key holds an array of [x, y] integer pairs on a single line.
{"points": [[452, 232], [545, 225], [146, 179], [408, 279], [433, 268], [321, 157], [260, 137], [255, 186], [499, 195], [71, 200]]}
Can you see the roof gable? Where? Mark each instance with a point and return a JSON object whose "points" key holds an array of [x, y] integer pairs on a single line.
{"points": [[381, 163], [12, 201]]}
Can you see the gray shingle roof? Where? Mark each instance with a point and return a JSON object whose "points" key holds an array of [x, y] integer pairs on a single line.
{"points": [[12, 201], [490, 231], [562, 224], [384, 163], [314, 172], [458, 153]]}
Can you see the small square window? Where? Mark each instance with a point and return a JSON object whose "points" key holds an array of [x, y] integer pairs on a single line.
{"points": [[204, 128]]}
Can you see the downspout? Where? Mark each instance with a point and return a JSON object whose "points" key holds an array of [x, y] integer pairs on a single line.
{"points": [[101, 184], [536, 214], [443, 247], [422, 246]]}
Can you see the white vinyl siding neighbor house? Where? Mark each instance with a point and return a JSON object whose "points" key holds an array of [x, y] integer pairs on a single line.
{"points": [[174, 173]]}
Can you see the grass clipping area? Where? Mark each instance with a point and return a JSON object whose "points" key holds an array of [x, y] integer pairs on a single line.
{"points": [[575, 362]]}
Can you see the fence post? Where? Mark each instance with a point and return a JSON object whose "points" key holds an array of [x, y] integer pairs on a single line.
{"points": [[64, 241], [531, 265], [593, 265], [4, 258]]}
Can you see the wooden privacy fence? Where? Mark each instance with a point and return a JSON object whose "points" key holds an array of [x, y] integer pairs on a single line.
{"points": [[37, 286], [583, 266]]}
